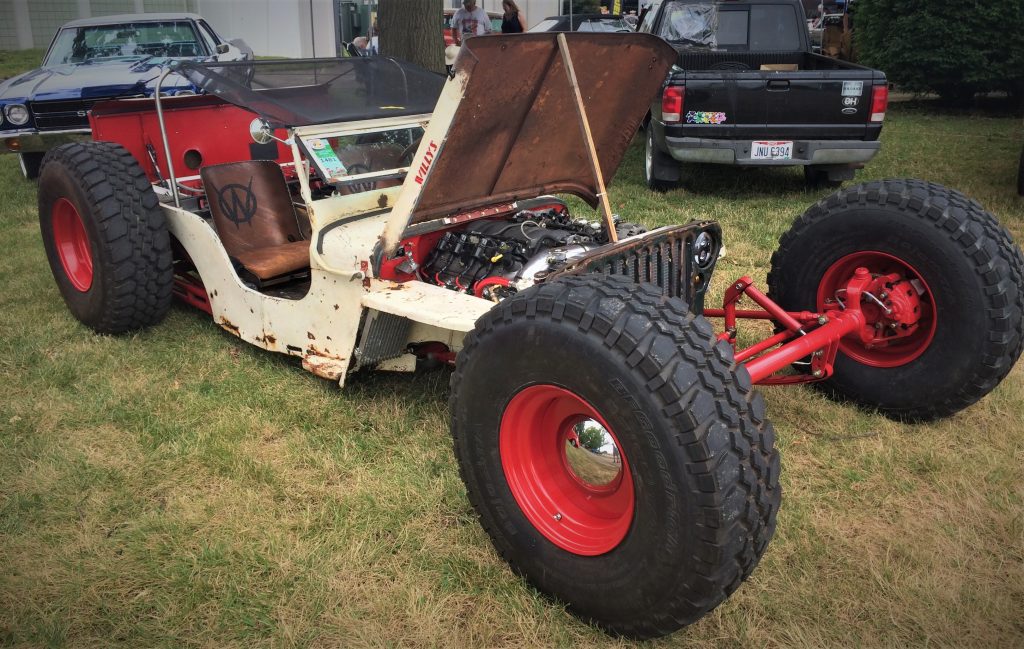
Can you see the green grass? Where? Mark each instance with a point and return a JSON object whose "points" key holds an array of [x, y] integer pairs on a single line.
{"points": [[14, 62], [178, 488]]}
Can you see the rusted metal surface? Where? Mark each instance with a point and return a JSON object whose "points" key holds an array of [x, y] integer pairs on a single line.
{"points": [[663, 257], [509, 138]]}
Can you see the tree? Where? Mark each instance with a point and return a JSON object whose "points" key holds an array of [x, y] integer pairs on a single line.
{"points": [[591, 438], [950, 47], [410, 30]]}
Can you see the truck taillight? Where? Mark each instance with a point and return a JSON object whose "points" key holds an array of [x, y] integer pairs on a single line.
{"points": [[672, 104], [879, 102]]}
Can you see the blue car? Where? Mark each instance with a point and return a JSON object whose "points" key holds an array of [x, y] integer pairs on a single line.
{"points": [[96, 59]]}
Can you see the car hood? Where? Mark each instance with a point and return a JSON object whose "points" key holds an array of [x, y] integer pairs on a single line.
{"points": [[515, 132], [90, 80]]}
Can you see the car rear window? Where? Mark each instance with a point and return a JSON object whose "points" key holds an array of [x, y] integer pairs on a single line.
{"points": [[714, 25], [164, 39]]}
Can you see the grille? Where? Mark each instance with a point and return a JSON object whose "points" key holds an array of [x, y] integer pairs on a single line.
{"points": [[51, 115], [662, 263], [662, 257]]}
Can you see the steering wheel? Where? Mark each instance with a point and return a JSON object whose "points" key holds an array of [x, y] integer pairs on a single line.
{"points": [[405, 158], [363, 185]]}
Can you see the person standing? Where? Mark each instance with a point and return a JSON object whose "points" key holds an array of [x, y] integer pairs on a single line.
{"points": [[512, 22], [469, 21]]}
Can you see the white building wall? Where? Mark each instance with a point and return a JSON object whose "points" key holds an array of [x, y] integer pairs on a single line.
{"points": [[289, 28]]}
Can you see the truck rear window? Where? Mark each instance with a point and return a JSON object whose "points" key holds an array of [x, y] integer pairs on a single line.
{"points": [[713, 25]]}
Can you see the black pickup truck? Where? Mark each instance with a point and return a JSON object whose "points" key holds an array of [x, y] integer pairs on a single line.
{"points": [[747, 90]]}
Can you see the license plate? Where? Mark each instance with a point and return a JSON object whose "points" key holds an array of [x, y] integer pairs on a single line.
{"points": [[771, 150]]}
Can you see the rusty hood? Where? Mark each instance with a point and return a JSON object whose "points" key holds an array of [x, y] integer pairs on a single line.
{"points": [[515, 132]]}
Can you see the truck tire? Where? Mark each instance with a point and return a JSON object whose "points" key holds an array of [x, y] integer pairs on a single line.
{"points": [[661, 172], [684, 519], [815, 176], [30, 163], [963, 267], [105, 237]]}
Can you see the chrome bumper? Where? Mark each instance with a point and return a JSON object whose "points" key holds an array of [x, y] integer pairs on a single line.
{"points": [[32, 141]]}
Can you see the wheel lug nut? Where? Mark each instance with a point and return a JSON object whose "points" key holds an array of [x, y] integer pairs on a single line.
{"points": [[558, 517], [818, 374]]}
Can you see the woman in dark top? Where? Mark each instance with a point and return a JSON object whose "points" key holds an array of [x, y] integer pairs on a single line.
{"points": [[512, 22]]}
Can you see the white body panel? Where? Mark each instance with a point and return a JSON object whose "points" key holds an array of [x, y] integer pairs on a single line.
{"points": [[323, 327]]}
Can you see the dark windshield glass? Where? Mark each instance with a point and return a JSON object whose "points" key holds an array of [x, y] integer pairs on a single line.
{"points": [[732, 28], [714, 25], [320, 91], [81, 44], [773, 27]]}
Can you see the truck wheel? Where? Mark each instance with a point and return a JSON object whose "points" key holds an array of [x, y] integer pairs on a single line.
{"points": [[30, 163], [661, 172], [817, 177], [954, 265], [675, 504], [105, 237]]}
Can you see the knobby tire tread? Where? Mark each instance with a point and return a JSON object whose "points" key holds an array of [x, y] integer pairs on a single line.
{"points": [[133, 232], [983, 241], [699, 386]]}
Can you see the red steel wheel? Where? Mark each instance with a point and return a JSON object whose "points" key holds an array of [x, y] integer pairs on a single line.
{"points": [[559, 486], [944, 307], [72, 244], [915, 292]]}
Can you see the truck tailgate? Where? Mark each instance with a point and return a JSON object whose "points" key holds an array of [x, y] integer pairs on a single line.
{"points": [[818, 104]]}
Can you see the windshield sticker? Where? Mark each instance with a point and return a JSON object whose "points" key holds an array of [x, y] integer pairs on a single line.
{"points": [[853, 88], [327, 159], [702, 117]]}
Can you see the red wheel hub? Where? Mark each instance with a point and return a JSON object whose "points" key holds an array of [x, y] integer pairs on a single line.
{"points": [[898, 308], [565, 469], [72, 244]]}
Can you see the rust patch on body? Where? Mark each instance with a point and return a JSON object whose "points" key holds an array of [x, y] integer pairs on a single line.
{"points": [[227, 324], [382, 200], [309, 334]]}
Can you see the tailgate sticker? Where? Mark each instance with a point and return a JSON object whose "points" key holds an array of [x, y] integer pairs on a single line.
{"points": [[703, 117], [853, 88]]}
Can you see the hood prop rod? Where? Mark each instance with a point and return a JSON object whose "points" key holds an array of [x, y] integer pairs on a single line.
{"points": [[588, 139]]}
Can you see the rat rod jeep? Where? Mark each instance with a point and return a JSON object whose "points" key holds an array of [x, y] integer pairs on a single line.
{"points": [[611, 442]]}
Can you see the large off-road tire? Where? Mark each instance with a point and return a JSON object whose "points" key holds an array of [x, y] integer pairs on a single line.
{"points": [[689, 505], [964, 270], [661, 172], [105, 237]]}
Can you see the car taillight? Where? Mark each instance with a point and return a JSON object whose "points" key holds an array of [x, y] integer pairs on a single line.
{"points": [[672, 104], [879, 102]]}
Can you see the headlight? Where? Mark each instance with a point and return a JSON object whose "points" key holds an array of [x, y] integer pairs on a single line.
{"points": [[185, 93], [17, 114], [703, 250]]}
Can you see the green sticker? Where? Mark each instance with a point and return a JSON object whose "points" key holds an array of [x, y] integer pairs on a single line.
{"points": [[328, 160]]}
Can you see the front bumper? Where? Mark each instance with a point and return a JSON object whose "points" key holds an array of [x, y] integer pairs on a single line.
{"points": [[805, 152], [32, 141]]}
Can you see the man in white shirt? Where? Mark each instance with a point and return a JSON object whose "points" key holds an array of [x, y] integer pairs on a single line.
{"points": [[469, 21]]}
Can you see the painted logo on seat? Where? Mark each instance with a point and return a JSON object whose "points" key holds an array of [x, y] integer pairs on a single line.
{"points": [[237, 203]]}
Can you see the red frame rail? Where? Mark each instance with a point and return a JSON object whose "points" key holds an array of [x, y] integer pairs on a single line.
{"points": [[804, 334]]}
